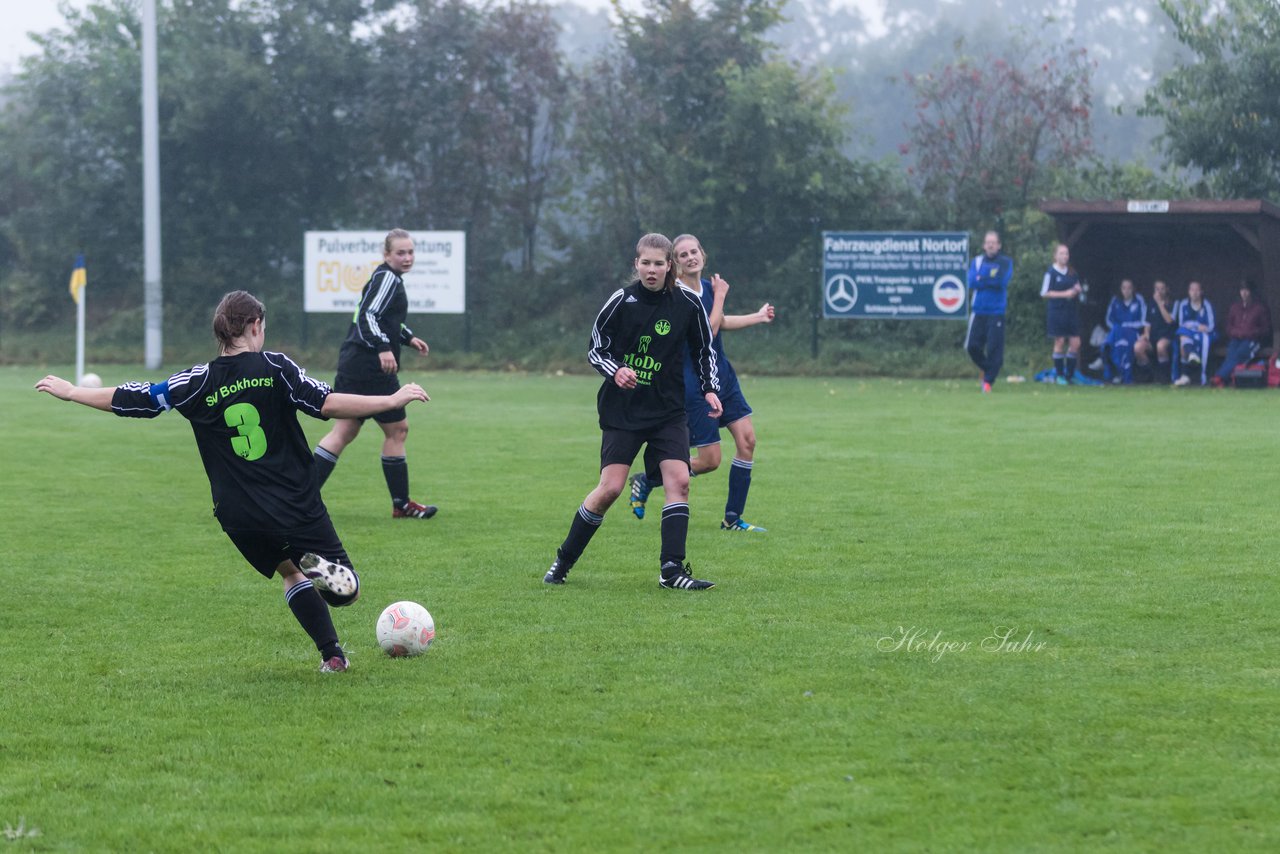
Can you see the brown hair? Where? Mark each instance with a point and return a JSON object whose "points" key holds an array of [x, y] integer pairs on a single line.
{"points": [[235, 313], [394, 234], [659, 241]]}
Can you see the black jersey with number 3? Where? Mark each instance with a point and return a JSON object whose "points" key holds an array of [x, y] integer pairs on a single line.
{"points": [[243, 411]]}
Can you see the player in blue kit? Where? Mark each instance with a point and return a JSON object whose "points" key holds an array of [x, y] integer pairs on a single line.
{"points": [[704, 430], [1126, 320], [1196, 331], [1060, 289], [988, 277], [243, 410]]}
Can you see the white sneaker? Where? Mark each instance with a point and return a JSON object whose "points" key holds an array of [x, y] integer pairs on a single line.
{"points": [[334, 577], [1182, 380]]}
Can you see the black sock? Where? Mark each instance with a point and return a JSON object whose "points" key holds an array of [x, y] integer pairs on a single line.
{"points": [[675, 531], [581, 530], [312, 614], [1071, 365], [1059, 366], [325, 461], [396, 471]]}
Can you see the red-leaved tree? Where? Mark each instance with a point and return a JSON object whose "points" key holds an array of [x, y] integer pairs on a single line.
{"points": [[988, 127]]}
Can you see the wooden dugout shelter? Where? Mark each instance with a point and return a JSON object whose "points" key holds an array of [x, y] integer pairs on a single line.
{"points": [[1216, 243]]}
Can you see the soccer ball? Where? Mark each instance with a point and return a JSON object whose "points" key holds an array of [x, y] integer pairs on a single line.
{"points": [[405, 628], [91, 381]]}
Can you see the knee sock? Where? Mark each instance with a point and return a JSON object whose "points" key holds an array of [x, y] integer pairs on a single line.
{"points": [[1071, 360], [583, 528], [396, 471], [675, 532], [310, 612], [1059, 365], [325, 461], [739, 484]]}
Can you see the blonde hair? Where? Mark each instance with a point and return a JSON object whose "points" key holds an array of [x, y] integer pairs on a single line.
{"points": [[392, 235], [701, 248]]}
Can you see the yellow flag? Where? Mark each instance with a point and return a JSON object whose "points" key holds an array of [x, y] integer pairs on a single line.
{"points": [[78, 279]]}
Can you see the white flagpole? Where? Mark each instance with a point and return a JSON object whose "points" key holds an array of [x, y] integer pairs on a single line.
{"points": [[80, 335]]}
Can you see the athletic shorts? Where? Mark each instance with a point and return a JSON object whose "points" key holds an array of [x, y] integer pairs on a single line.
{"points": [[372, 385], [668, 441], [266, 550], [1063, 324], [705, 430]]}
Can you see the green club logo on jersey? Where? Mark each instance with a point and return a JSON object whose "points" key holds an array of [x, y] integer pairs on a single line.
{"points": [[645, 340], [662, 327]]}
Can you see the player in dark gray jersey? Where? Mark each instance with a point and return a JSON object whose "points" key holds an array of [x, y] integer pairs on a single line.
{"points": [[639, 343], [367, 364], [243, 409]]}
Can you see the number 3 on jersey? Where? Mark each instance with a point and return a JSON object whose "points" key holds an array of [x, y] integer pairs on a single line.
{"points": [[252, 442]]}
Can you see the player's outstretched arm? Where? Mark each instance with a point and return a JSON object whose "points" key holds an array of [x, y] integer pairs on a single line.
{"points": [[742, 321], [339, 405], [98, 398]]}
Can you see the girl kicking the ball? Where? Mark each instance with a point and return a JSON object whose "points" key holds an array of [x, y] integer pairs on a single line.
{"points": [[243, 409]]}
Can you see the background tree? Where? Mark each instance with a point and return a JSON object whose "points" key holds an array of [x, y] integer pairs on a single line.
{"points": [[987, 127], [1221, 111]]}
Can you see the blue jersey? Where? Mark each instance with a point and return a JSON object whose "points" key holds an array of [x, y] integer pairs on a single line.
{"points": [[1058, 280], [1184, 312], [989, 283], [728, 379], [1127, 315]]}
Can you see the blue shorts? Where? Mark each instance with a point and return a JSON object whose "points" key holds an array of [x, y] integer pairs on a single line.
{"points": [[1063, 324], [705, 430]]}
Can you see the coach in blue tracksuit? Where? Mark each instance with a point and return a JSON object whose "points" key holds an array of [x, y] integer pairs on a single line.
{"points": [[989, 275]]}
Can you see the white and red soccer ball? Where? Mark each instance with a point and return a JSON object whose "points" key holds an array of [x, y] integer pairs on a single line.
{"points": [[405, 628]]}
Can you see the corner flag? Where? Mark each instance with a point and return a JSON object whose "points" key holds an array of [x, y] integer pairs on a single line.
{"points": [[78, 279]]}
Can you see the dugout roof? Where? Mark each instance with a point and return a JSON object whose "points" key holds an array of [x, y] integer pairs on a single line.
{"points": [[1214, 242]]}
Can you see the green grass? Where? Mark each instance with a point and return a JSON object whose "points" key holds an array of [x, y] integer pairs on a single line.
{"points": [[155, 693]]}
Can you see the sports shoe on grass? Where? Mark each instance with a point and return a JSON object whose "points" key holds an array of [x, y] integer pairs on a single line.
{"points": [[559, 569], [741, 525], [986, 388], [1182, 380], [677, 577], [331, 577], [413, 510], [337, 664], [640, 490]]}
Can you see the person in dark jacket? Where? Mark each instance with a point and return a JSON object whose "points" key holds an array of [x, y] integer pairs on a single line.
{"points": [[638, 344], [1248, 331], [368, 363], [988, 275]]}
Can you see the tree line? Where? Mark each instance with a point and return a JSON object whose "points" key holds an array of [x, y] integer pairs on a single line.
{"points": [[281, 116]]}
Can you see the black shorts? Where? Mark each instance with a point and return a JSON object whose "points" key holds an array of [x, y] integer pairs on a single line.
{"points": [[668, 441], [372, 384], [266, 550]]}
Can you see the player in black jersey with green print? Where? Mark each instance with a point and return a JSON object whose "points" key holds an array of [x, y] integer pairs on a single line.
{"points": [[243, 411], [638, 343]]}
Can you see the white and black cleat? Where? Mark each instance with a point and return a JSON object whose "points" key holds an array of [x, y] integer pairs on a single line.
{"points": [[330, 577], [677, 577]]}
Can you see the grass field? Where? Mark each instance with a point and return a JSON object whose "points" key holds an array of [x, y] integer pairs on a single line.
{"points": [[838, 690]]}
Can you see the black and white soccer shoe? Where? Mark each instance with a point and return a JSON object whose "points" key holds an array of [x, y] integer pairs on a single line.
{"points": [[677, 577], [330, 577], [558, 571]]}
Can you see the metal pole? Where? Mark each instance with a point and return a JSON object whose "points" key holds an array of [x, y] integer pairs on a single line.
{"points": [[153, 292]]}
